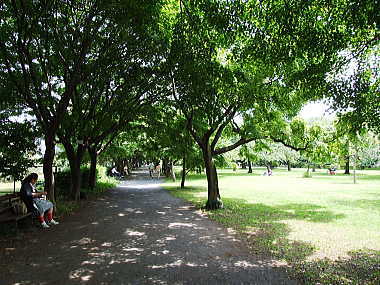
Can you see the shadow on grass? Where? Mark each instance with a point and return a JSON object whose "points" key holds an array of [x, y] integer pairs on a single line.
{"points": [[362, 203], [266, 233], [262, 224], [362, 267], [264, 229]]}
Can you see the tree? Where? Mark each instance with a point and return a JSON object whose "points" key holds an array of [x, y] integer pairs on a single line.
{"points": [[44, 48], [253, 59], [369, 154], [54, 52], [356, 97], [17, 148]]}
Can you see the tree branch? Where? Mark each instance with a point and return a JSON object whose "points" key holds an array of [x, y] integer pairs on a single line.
{"points": [[240, 142]]}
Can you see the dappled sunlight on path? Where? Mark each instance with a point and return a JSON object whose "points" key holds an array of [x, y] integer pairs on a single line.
{"points": [[137, 234]]}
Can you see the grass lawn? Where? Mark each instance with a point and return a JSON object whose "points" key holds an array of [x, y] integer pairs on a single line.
{"points": [[323, 221], [7, 187]]}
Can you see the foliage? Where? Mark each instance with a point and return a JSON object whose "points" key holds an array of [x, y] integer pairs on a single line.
{"points": [[17, 147], [369, 154], [307, 174], [362, 267], [65, 206], [63, 180], [356, 96], [292, 221]]}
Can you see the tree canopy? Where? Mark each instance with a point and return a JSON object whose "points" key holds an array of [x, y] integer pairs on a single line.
{"points": [[211, 74]]}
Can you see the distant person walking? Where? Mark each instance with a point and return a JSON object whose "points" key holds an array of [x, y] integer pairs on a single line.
{"points": [[151, 169], [157, 169]]}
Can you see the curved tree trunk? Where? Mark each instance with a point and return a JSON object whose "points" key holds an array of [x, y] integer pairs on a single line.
{"points": [[75, 161], [48, 166], [213, 201]]}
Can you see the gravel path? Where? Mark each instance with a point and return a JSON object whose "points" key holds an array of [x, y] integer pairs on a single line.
{"points": [[136, 234]]}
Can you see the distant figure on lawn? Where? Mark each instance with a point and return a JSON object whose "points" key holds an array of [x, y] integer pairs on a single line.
{"points": [[268, 172], [332, 171], [35, 201]]}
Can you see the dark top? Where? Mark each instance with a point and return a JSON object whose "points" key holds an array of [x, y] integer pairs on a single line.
{"points": [[26, 196]]}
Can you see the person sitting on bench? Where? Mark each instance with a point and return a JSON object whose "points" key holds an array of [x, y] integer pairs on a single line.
{"points": [[34, 203]]}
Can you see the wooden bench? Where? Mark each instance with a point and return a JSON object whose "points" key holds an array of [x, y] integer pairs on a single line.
{"points": [[7, 212]]}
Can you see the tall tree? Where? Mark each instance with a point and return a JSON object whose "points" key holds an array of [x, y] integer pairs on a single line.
{"points": [[356, 97], [254, 59], [44, 48]]}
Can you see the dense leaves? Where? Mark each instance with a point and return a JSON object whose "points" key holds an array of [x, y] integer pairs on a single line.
{"points": [[17, 148]]}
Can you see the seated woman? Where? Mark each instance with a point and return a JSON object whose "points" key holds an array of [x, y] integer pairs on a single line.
{"points": [[34, 203]]}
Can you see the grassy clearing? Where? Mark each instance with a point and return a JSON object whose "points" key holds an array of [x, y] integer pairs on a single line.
{"points": [[8, 187], [326, 227]]}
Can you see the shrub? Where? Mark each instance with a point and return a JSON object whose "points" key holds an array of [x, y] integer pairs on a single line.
{"points": [[307, 175]]}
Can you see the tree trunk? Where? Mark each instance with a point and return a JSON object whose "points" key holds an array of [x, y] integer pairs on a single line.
{"points": [[289, 166], [183, 172], [75, 161], [129, 165], [48, 166], [166, 167], [93, 160], [347, 165], [213, 201], [249, 166]]}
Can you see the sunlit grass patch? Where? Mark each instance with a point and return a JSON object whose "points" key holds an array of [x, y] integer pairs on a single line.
{"points": [[302, 221]]}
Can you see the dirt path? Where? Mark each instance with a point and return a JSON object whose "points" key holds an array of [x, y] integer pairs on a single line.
{"points": [[136, 234]]}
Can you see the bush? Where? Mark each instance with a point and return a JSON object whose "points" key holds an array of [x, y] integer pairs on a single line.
{"points": [[63, 180], [307, 175]]}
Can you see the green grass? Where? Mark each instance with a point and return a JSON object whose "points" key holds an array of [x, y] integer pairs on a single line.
{"points": [[7, 187], [308, 222]]}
